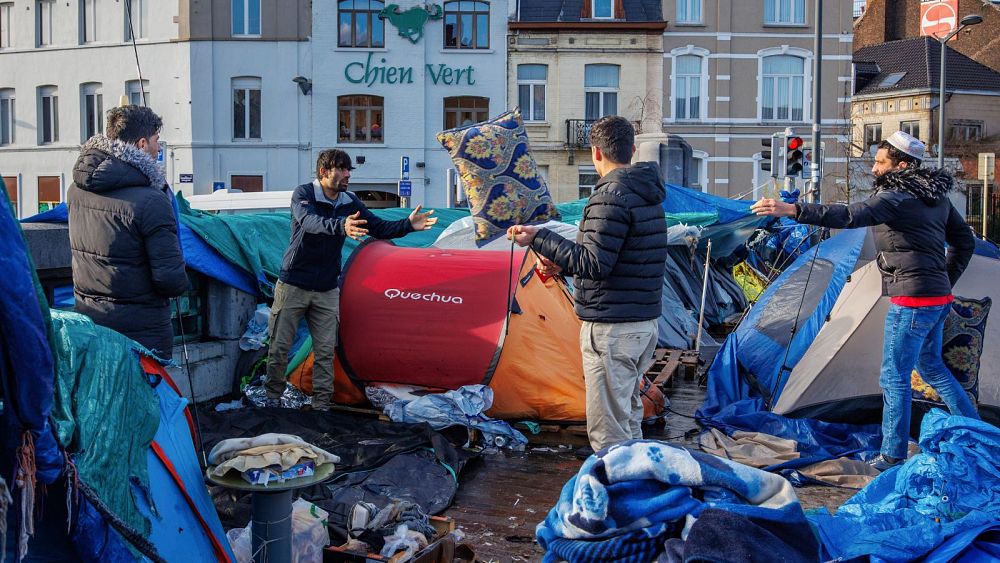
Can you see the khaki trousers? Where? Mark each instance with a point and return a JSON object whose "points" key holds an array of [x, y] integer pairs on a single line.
{"points": [[615, 355], [322, 312]]}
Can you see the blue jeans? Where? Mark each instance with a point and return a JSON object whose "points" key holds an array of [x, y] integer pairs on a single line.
{"points": [[913, 339]]}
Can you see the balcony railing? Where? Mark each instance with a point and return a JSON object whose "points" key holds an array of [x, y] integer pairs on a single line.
{"points": [[578, 132]]}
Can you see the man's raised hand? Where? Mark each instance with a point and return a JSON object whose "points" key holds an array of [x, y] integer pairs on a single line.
{"points": [[354, 226], [422, 221]]}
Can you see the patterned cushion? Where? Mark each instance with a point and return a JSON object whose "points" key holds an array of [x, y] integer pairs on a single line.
{"points": [[961, 348], [499, 175]]}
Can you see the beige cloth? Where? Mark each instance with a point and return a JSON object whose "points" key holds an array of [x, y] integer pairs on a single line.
{"points": [[757, 449], [266, 450], [615, 355]]}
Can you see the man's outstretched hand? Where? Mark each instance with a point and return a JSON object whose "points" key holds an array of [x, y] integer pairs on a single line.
{"points": [[522, 235], [773, 208], [354, 226], [422, 221]]}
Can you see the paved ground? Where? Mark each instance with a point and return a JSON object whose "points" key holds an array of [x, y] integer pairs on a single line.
{"points": [[502, 498]]}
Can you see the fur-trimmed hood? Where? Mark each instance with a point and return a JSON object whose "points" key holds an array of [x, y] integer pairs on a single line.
{"points": [[929, 186], [108, 164]]}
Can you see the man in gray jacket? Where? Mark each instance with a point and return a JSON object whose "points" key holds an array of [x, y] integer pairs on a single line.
{"points": [[127, 260], [617, 264]]}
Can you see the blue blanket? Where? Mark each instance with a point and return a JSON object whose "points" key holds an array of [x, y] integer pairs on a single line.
{"points": [[628, 499], [945, 498]]}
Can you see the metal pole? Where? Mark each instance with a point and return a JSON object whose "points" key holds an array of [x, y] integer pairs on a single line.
{"points": [[986, 201], [941, 72], [271, 527], [815, 195], [704, 291]]}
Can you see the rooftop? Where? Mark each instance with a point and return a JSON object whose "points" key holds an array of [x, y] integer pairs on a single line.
{"points": [[913, 64]]}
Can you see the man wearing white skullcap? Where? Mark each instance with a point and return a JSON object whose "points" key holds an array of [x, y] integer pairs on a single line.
{"points": [[912, 219]]}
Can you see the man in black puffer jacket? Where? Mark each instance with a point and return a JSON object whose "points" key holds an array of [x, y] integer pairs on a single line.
{"points": [[127, 260], [912, 219], [617, 264]]}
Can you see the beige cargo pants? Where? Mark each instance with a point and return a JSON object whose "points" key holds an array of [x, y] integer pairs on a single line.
{"points": [[615, 355], [322, 312]]}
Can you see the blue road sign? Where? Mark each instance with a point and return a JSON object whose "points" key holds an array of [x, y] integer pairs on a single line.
{"points": [[404, 168], [187, 178], [405, 188]]}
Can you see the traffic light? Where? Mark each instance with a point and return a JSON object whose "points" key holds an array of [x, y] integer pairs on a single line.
{"points": [[770, 157], [793, 156]]}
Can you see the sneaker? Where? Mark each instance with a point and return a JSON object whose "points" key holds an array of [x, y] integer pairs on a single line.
{"points": [[881, 462]]}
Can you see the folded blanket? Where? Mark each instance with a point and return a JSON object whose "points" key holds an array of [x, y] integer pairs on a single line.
{"points": [[640, 492], [266, 450], [723, 537]]}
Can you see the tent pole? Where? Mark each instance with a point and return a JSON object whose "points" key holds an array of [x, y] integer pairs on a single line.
{"points": [[704, 291]]}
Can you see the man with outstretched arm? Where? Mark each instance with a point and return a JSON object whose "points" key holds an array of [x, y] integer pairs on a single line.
{"points": [[323, 214], [617, 264], [912, 219]]}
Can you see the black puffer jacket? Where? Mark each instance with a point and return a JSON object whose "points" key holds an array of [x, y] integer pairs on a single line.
{"points": [[127, 260], [913, 220], [619, 257]]}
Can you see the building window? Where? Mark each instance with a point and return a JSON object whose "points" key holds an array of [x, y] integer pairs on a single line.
{"points": [[602, 9], [137, 96], [10, 182], [466, 25], [88, 21], [43, 22], [873, 135], [965, 130], [7, 117], [361, 119], [600, 86], [6, 25], [462, 111], [687, 87], [49, 193], [92, 110], [246, 107], [783, 96], [531, 91], [688, 11], [785, 12], [246, 18], [360, 25], [247, 183], [588, 178], [698, 173], [136, 18], [48, 115], [910, 128]]}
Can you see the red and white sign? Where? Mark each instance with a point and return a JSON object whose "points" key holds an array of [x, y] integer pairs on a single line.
{"points": [[938, 18]]}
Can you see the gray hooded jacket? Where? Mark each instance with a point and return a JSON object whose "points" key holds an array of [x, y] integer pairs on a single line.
{"points": [[127, 260]]}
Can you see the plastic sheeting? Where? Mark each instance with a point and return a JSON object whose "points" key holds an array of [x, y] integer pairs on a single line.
{"points": [[949, 490], [99, 380], [463, 407]]}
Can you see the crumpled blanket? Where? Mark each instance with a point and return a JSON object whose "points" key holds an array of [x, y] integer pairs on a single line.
{"points": [[266, 450], [385, 524], [464, 407], [909, 511], [628, 499]]}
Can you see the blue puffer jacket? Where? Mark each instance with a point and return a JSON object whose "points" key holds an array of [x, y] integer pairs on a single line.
{"points": [[618, 260], [312, 260]]}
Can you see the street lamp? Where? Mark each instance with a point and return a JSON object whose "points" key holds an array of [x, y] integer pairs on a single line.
{"points": [[971, 19]]}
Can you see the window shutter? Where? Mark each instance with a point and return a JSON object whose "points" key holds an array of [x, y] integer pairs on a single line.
{"points": [[619, 9], [586, 12]]}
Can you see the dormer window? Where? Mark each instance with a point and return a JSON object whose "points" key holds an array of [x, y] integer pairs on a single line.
{"points": [[603, 9]]}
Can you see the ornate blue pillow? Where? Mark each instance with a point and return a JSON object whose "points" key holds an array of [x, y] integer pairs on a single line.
{"points": [[499, 175], [961, 348]]}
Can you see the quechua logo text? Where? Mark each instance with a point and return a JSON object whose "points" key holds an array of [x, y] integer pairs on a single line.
{"points": [[433, 297]]}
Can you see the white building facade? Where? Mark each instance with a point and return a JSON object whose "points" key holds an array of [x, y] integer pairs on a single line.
{"points": [[219, 73], [384, 87]]}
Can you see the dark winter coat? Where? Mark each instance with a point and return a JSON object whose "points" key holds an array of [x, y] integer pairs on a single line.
{"points": [[912, 219], [127, 260], [619, 257], [312, 260]]}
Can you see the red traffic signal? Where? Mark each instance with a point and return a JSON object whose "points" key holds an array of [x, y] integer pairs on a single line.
{"points": [[794, 143], [793, 156]]}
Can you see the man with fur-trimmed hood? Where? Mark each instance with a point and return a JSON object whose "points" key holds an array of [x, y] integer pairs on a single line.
{"points": [[127, 261], [912, 219]]}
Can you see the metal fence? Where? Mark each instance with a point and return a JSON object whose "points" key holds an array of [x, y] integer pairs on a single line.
{"points": [[974, 211]]}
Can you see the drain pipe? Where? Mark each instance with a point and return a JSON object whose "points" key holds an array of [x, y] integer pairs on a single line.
{"points": [[704, 291]]}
